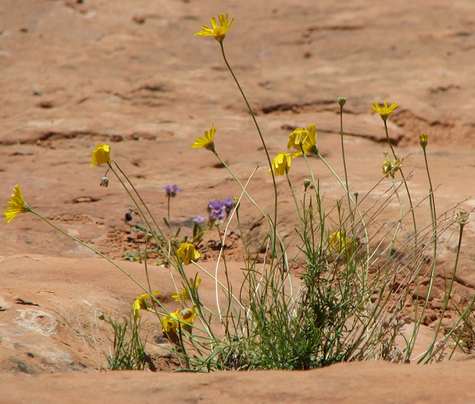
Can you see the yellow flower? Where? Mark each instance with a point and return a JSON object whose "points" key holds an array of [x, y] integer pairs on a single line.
{"points": [[141, 302], [101, 155], [423, 140], [217, 31], [15, 205], [187, 253], [303, 139], [384, 110], [390, 167], [282, 162], [339, 242], [174, 321], [206, 141], [184, 294]]}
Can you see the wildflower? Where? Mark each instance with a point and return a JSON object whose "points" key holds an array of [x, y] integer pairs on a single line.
{"points": [[423, 140], [217, 31], [281, 163], [187, 253], [15, 205], [198, 220], [177, 320], [141, 302], [339, 242], [384, 110], [390, 167], [217, 210], [228, 204], [171, 190], [303, 139], [206, 141], [101, 155], [184, 294]]}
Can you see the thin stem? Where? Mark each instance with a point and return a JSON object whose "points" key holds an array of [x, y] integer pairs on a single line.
{"points": [[93, 249], [168, 209], [253, 116], [405, 182], [344, 159], [138, 196]]}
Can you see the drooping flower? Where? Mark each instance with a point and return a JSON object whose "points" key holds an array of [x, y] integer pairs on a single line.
{"points": [[15, 205], [303, 139], [384, 110], [184, 294], [390, 167], [187, 253], [142, 302], [176, 320], [218, 31], [171, 190], [281, 163], [101, 155], [339, 242], [206, 141]]}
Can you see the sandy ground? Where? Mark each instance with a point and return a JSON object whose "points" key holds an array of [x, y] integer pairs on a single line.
{"points": [[77, 73]]}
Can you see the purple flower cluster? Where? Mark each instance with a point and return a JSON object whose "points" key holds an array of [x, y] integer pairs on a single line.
{"points": [[218, 209], [171, 190]]}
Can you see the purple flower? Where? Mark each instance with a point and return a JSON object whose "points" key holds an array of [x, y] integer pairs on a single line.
{"points": [[198, 220], [218, 209], [215, 204], [217, 214], [228, 204], [171, 190]]}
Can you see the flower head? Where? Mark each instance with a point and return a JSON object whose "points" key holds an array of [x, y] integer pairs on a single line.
{"points": [[384, 110], [281, 163], [423, 140], [390, 167], [462, 217], [206, 141], [218, 31], [176, 320], [187, 253], [228, 205], [184, 294], [15, 205], [171, 190], [339, 242], [101, 155], [303, 139], [142, 302], [341, 101]]}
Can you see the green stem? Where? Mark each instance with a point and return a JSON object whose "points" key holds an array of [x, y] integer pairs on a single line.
{"points": [[269, 161], [405, 182], [168, 209], [433, 267], [344, 159]]}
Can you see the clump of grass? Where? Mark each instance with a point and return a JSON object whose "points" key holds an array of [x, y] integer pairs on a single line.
{"points": [[359, 273], [128, 349]]}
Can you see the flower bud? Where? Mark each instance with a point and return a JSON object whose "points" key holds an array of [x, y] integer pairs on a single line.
{"points": [[341, 101], [104, 182], [423, 140]]}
